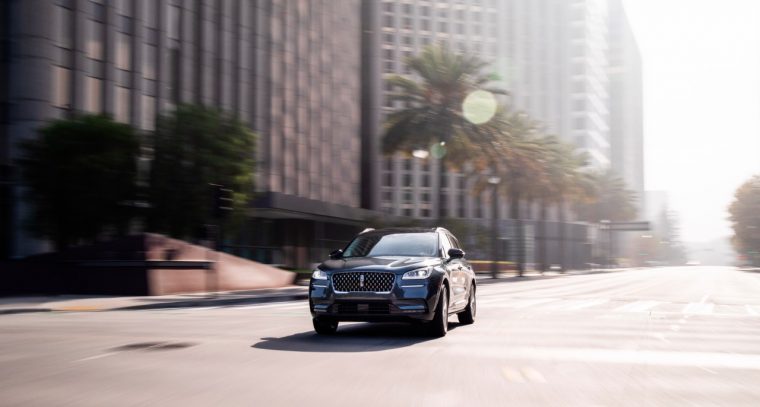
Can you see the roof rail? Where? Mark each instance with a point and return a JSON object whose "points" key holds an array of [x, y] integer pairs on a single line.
{"points": [[367, 230]]}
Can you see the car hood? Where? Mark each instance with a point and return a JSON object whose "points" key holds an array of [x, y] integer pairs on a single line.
{"points": [[384, 263]]}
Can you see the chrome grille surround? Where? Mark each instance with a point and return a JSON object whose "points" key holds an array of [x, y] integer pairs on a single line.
{"points": [[363, 282]]}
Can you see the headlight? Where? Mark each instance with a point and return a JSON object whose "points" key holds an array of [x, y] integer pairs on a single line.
{"points": [[417, 274], [319, 275]]}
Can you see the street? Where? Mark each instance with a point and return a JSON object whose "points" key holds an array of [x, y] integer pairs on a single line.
{"points": [[662, 336]]}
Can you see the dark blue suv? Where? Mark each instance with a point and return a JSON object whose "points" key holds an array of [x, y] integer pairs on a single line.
{"points": [[409, 274]]}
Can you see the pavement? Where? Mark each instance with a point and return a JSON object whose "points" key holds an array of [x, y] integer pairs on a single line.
{"points": [[656, 337]]}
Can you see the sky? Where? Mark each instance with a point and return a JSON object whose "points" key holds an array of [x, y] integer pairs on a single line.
{"points": [[701, 61]]}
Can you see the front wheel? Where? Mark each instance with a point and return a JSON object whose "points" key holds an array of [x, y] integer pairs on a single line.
{"points": [[467, 316], [325, 326], [440, 323]]}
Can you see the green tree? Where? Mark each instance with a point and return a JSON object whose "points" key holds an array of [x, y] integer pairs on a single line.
{"points": [[612, 200], [81, 175], [564, 180], [194, 146], [434, 112], [744, 213]]}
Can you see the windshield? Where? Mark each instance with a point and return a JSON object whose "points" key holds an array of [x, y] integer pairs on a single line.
{"points": [[423, 244]]}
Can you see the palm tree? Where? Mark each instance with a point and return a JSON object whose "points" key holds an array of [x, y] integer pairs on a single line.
{"points": [[433, 113], [612, 200], [517, 154], [565, 179]]}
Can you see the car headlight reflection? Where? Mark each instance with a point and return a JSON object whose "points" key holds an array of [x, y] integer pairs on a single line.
{"points": [[418, 274], [319, 275]]}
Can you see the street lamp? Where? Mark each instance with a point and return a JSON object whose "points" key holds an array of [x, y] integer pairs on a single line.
{"points": [[421, 154], [494, 182]]}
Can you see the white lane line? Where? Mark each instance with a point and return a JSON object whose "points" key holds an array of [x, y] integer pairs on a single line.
{"points": [[512, 375], [520, 303], [586, 304], [750, 310], [283, 305], [698, 308], [102, 355], [714, 360], [638, 306], [533, 375]]}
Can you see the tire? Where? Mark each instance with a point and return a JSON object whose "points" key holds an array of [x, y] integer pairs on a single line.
{"points": [[325, 326], [440, 324], [467, 316]]}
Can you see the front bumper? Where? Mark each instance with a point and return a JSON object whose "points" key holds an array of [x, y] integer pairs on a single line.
{"points": [[408, 300]]}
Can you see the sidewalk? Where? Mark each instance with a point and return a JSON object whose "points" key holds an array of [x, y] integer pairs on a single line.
{"points": [[85, 303], [82, 303]]}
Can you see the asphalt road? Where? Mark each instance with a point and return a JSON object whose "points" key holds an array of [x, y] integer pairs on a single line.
{"points": [[668, 336]]}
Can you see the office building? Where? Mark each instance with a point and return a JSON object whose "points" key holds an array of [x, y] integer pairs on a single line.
{"points": [[290, 69]]}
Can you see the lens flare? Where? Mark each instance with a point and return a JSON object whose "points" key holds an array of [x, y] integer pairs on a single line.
{"points": [[479, 106]]}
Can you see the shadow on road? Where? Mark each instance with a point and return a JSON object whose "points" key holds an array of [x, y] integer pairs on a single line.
{"points": [[352, 338]]}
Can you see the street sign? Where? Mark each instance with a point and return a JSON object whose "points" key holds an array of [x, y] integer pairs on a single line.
{"points": [[625, 226]]}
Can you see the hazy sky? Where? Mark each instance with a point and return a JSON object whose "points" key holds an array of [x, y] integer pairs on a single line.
{"points": [[701, 104]]}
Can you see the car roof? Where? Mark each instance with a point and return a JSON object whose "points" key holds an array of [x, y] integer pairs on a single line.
{"points": [[389, 231]]}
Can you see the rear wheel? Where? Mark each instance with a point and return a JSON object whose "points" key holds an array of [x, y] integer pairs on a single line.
{"points": [[325, 326], [440, 323], [467, 316]]}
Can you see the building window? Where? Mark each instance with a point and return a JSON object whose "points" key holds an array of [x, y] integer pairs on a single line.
{"points": [[580, 123], [61, 87], [123, 52], [149, 61], [63, 21], [148, 113], [121, 104], [93, 95], [172, 22], [124, 7], [94, 40]]}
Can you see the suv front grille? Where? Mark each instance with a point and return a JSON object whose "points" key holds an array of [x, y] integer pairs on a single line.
{"points": [[363, 281], [356, 308]]}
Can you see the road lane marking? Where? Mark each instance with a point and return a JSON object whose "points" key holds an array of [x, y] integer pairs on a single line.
{"points": [[283, 305], [638, 306], [533, 375], [698, 308], [585, 304], [709, 360], [512, 375], [750, 310]]}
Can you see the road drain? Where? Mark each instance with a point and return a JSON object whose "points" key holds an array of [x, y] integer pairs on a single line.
{"points": [[152, 346]]}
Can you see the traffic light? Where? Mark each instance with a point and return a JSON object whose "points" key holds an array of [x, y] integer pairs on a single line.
{"points": [[222, 203]]}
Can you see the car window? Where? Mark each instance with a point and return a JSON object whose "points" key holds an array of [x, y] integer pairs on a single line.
{"points": [[454, 241], [424, 244], [445, 245]]}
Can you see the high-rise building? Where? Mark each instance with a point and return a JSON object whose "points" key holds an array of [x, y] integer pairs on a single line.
{"points": [[626, 110], [551, 55], [289, 69], [553, 58], [408, 184]]}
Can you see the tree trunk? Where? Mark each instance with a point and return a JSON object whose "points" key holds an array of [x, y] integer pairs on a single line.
{"points": [[514, 208], [562, 237], [543, 243]]}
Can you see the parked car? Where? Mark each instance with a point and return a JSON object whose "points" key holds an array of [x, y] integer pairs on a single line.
{"points": [[410, 274]]}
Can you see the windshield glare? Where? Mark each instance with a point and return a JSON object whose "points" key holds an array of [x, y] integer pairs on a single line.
{"points": [[424, 244]]}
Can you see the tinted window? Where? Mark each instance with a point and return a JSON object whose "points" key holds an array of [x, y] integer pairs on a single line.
{"points": [[445, 244], [454, 241], [424, 244]]}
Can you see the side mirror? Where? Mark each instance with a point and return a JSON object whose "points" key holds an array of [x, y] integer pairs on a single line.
{"points": [[456, 253], [336, 254]]}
